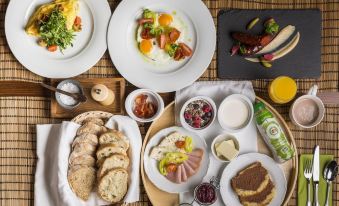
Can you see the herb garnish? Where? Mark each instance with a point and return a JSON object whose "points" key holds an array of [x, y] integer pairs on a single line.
{"points": [[54, 31]]}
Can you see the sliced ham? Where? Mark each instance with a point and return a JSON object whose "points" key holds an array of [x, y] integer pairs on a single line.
{"points": [[194, 165], [171, 176], [194, 158], [186, 50], [189, 170], [174, 35], [183, 173], [197, 152], [178, 175], [162, 41], [145, 20]]}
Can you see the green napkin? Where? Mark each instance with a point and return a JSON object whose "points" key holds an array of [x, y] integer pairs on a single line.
{"points": [[302, 182]]}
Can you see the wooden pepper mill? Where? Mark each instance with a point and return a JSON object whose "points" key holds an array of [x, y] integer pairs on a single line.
{"points": [[102, 94]]}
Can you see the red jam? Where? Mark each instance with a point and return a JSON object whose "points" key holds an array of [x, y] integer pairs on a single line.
{"points": [[143, 107], [205, 194]]}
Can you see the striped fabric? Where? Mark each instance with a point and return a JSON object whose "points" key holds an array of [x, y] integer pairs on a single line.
{"points": [[19, 115]]}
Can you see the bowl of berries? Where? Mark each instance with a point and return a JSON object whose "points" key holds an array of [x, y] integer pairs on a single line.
{"points": [[198, 113]]}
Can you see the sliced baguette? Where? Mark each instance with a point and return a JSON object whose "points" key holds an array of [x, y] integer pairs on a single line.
{"points": [[82, 181], [109, 149], [113, 186], [86, 160], [89, 127], [115, 137], [86, 137], [111, 162], [94, 120], [85, 148]]}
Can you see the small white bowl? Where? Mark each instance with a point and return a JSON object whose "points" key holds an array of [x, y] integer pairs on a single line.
{"points": [[155, 98], [182, 111], [249, 105], [221, 138]]}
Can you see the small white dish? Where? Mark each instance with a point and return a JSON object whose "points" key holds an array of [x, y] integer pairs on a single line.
{"points": [[240, 121], [154, 97], [57, 94], [211, 103], [221, 138]]}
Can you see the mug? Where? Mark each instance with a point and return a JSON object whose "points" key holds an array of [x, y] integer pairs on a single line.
{"points": [[308, 110]]}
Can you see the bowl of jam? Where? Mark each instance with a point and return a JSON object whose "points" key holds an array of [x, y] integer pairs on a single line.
{"points": [[144, 105], [205, 194], [198, 113]]}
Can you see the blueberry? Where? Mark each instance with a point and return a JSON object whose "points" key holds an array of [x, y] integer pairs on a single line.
{"points": [[208, 114]]}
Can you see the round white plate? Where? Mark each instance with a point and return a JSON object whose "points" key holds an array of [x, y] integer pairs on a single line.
{"points": [[160, 181], [230, 198], [144, 73], [88, 46]]}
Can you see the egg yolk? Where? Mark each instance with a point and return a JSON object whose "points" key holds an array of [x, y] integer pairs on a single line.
{"points": [[145, 46], [165, 19]]}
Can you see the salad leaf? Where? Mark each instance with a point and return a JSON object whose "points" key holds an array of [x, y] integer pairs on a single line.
{"points": [[171, 157], [149, 14], [242, 49], [156, 31], [272, 28], [188, 144], [171, 49], [53, 31]]}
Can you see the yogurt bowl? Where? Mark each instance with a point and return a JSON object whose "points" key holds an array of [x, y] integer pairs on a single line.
{"points": [[235, 113], [198, 113]]}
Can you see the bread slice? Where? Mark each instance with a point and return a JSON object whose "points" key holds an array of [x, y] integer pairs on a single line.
{"points": [[260, 199], [115, 137], [89, 127], [86, 160], [82, 181], [109, 149], [113, 186], [84, 148], [111, 162], [94, 120], [86, 137]]}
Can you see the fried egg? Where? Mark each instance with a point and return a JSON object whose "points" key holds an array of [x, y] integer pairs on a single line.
{"points": [[150, 47]]}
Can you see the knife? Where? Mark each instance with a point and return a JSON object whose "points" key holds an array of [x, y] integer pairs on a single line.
{"points": [[315, 175]]}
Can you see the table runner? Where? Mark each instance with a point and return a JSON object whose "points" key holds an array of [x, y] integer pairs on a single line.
{"points": [[19, 115]]}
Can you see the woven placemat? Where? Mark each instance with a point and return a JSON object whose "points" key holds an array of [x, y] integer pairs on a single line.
{"points": [[19, 115]]}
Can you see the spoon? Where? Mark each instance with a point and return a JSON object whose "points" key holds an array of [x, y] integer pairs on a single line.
{"points": [[330, 173], [76, 96]]}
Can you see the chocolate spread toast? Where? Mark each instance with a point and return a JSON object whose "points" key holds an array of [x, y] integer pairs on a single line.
{"points": [[253, 185]]}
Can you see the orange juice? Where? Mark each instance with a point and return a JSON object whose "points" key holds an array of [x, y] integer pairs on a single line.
{"points": [[282, 89]]}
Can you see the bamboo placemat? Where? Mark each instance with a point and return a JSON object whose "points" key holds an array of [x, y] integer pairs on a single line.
{"points": [[19, 115]]}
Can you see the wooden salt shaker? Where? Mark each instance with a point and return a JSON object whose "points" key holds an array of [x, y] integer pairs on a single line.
{"points": [[102, 94]]}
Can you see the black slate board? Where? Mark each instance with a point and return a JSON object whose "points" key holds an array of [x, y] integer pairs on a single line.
{"points": [[303, 62]]}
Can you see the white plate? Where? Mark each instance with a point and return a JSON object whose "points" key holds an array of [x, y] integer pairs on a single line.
{"points": [[143, 73], [88, 47], [151, 165], [277, 175]]}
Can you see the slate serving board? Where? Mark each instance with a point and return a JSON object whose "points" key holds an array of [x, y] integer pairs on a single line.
{"points": [[303, 62]]}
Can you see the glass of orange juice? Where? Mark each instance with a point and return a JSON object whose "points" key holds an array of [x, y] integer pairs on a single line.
{"points": [[282, 89]]}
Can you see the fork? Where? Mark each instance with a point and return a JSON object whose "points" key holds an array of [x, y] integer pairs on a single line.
{"points": [[308, 176]]}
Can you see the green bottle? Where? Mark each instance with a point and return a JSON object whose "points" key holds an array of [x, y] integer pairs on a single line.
{"points": [[272, 133]]}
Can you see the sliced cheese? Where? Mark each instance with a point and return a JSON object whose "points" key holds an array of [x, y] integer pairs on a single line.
{"points": [[227, 150]]}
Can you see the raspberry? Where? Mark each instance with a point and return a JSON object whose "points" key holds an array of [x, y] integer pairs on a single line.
{"points": [[206, 108]]}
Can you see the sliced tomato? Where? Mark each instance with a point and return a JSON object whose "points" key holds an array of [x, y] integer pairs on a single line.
{"points": [[180, 144], [52, 48], [77, 21], [145, 20], [186, 50], [174, 35], [146, 34], [171, 167]]}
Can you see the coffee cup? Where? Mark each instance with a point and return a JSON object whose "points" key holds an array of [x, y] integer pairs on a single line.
{"points": [[308, 110]]}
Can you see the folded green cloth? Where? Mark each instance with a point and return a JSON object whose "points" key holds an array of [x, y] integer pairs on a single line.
{"points": [[302, 182]]}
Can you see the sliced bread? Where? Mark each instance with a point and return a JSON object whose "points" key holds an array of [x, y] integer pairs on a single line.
{"points": [[115, 137], [89, 127], [111, 162], [84, 147], [86, 137], [109, 149], [113, 186], [86, 160], [94, 120], [82, 181]]}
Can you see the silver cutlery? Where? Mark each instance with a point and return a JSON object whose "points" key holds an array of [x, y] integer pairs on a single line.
{"points": [[308, 176], [330, 173], [315, 175]]}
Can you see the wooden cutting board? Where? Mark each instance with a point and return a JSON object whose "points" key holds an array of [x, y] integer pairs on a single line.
{"points": [[117, 85], [304, 61]]}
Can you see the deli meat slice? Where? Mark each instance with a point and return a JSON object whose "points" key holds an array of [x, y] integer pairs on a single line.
{"points": [[178, 175], [189, 170], [183, 173], [194, 165], [194, 158], [197, 152], [171, 176]]}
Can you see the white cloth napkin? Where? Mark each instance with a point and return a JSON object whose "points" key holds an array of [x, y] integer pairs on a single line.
{"points": [[218, 91], [53, 148]]}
